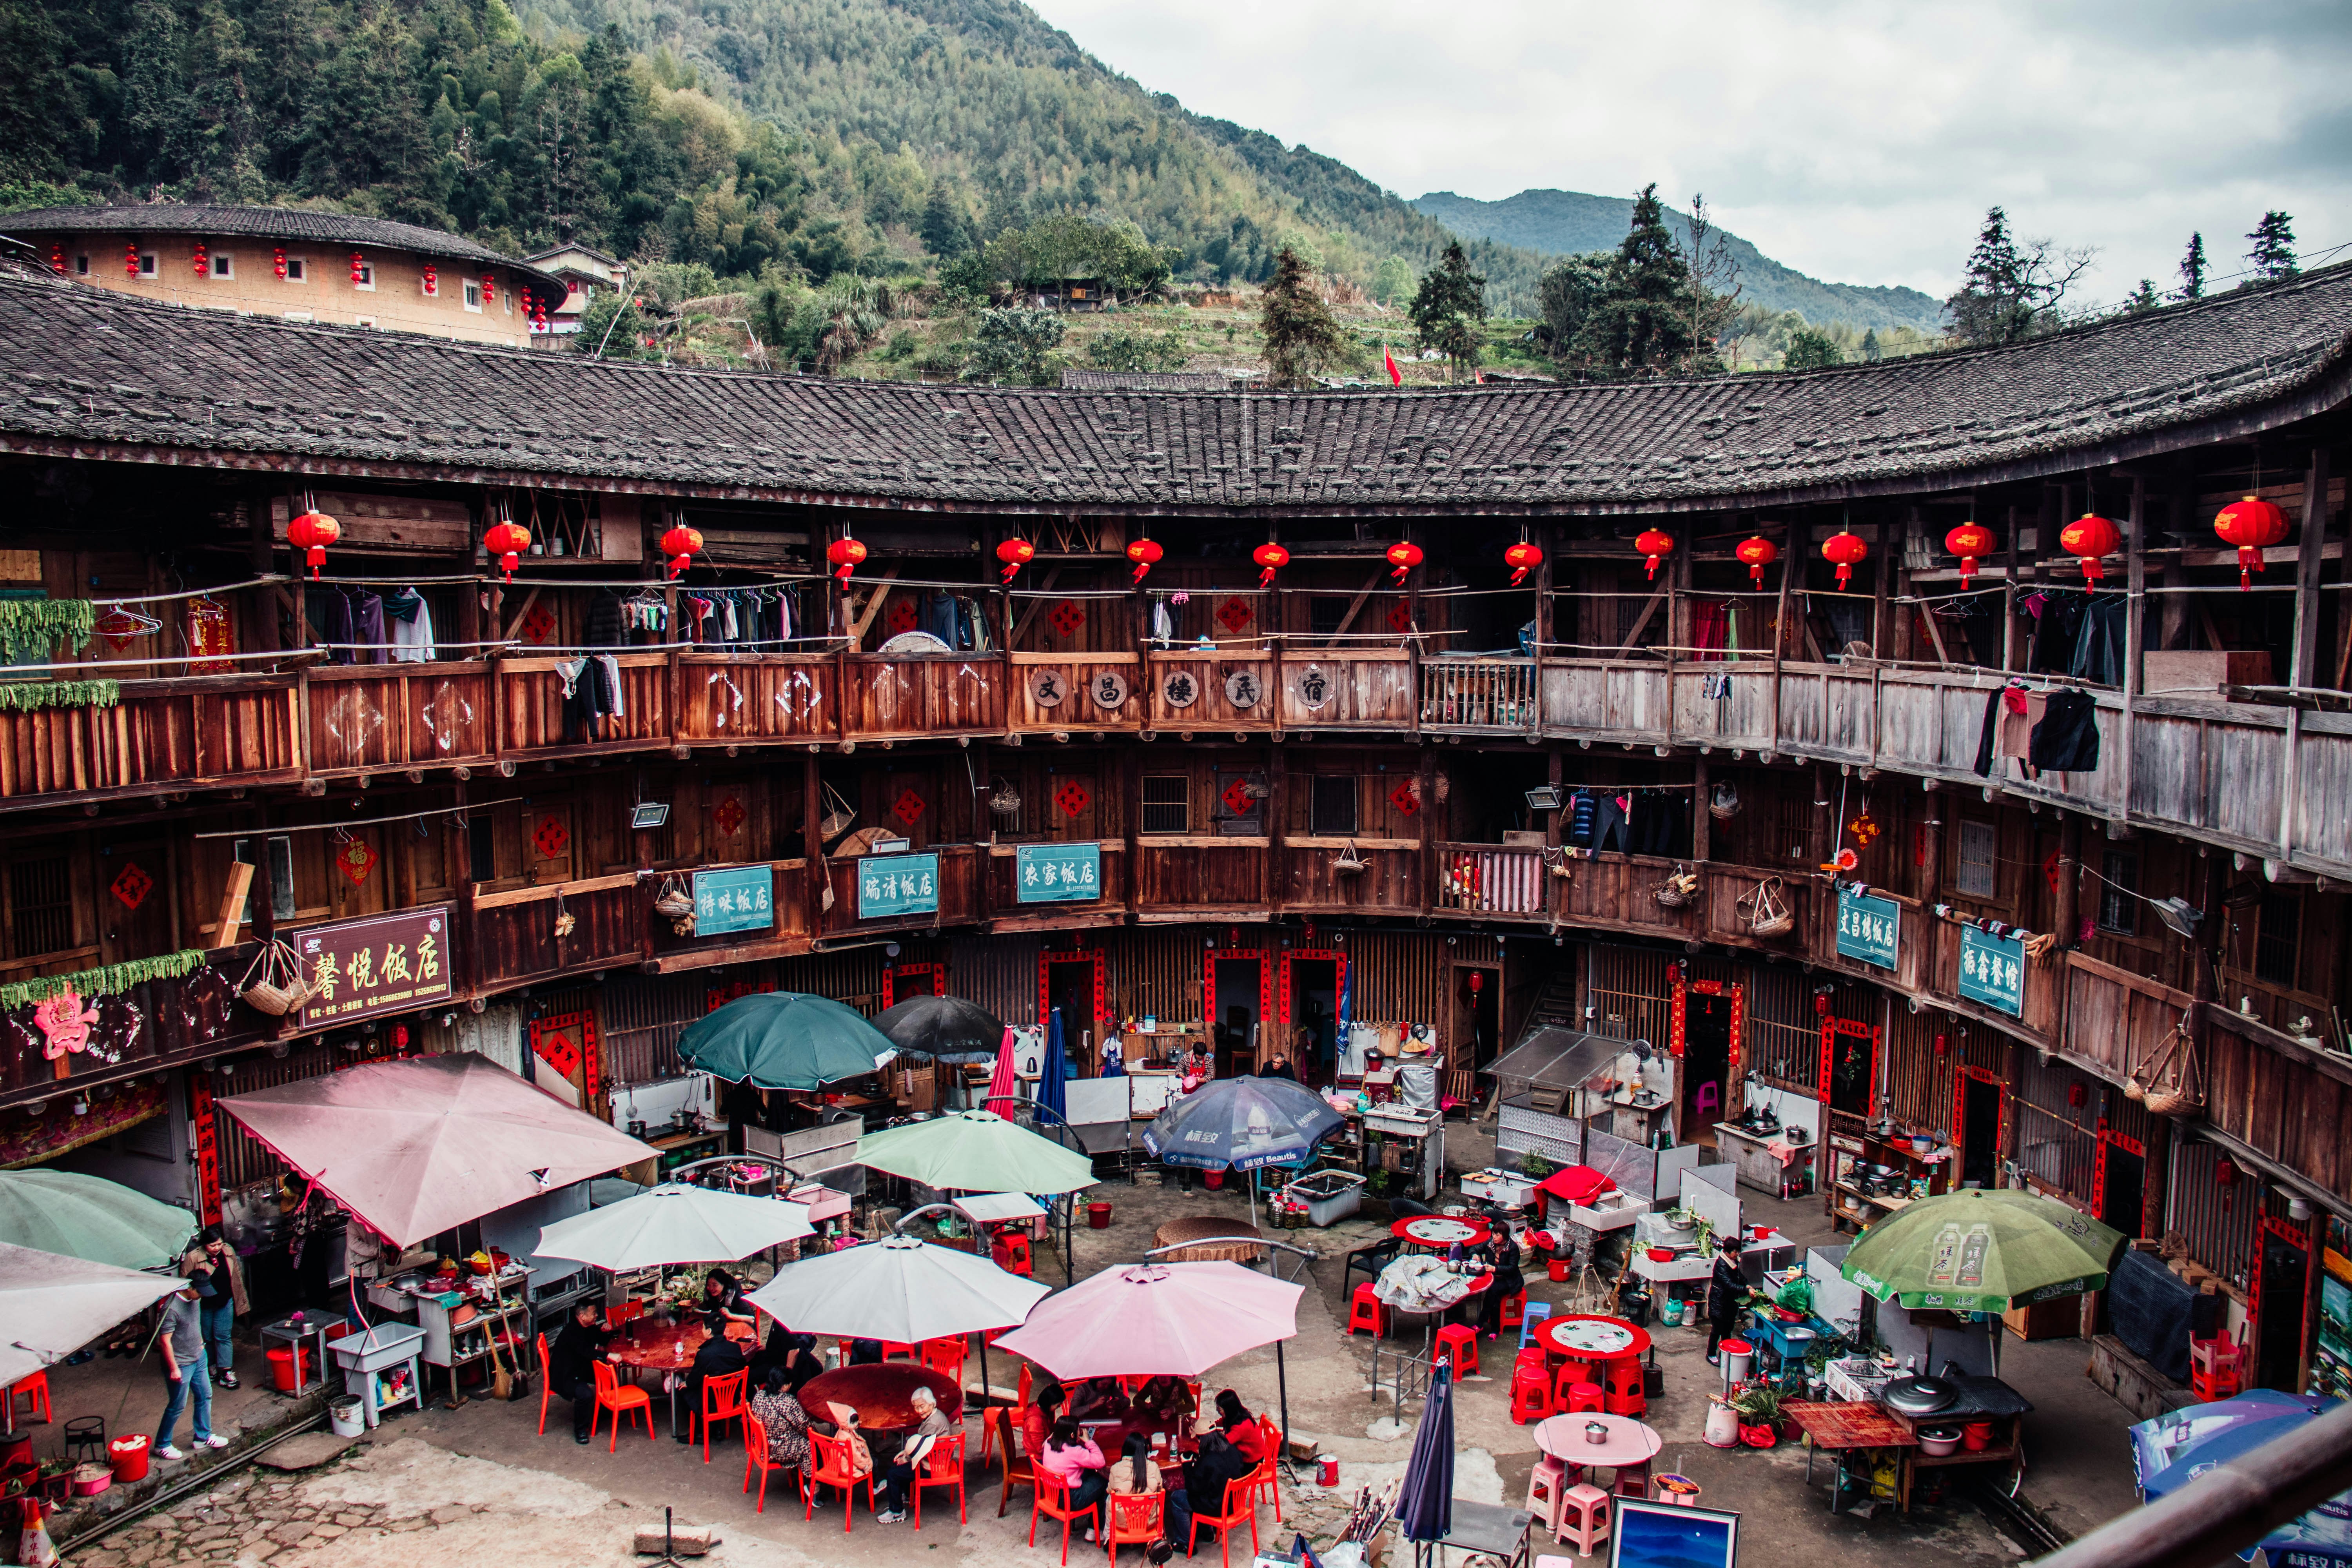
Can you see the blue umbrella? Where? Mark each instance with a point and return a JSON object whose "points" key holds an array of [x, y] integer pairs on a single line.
{"points": [[2323, 1535], [1425, 1505], [1241, 1124], [1050, 1079]]}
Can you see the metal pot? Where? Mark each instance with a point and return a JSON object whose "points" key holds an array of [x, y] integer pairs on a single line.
{"points": [[1919, 1395]]}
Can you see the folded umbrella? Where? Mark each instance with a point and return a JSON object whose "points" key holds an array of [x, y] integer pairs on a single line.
{"points": [[976, 1151], [1003, 1085], [944, 1028], [1150, 1319], [1424, 1506], [90, 1218], [782, 1039], [897, 1288], [675, 1223]]}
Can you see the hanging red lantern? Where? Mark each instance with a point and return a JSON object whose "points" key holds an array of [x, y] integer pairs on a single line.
{"points": [[1756, 553], [1145, 554], [2089, 537], [1405, 557], [1522, 558], [131, 261], [2077, 1096], [1015, 553], [1657, 544], [432, 280], [2225, 1172], [681, 545], [202, 262], [2252, 525], [1943, 1045], [508, 542], [58, 260], [280, 262], [313, 532], [490, 290], [359, 268], [1271, 558], [1971, 541], [845, 553], [1843, 550]]}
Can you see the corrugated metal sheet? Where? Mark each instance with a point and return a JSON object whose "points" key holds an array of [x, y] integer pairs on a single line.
{"points": [[2057, 1142], [2217, 1222], [242, 1159]]}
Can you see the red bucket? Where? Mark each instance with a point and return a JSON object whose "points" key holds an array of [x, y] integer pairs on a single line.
{"points": [[1326, 1469], [1557, 1270], [1098, 1217], [1975, 1435], [286, 1369], [129, 1455]]}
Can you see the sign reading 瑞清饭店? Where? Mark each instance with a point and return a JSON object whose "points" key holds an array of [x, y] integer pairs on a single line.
{"points": [[1992, 971], [897, 885], [1058, 873], [385, 963], [742, 898], [1868, 928]]}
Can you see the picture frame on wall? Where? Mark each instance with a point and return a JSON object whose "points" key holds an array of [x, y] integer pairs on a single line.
{"points": [[1662, 1535]]}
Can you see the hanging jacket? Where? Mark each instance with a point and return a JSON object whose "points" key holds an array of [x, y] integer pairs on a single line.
{"points": [[1984, 741], [1579, 820], [2067, 739]]}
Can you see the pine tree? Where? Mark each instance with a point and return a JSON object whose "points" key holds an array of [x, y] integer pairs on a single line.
{"points": [[1870, 351], [1302, 336], [2144, 299], [2274, 252], [1812, 350], [944, 235], [1644, 324], [2192, 268], [2013, 286], [1448, 307]]}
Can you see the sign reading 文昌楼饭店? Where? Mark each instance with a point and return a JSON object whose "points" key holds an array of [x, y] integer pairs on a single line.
{"points": [[1992, 971], [1868, 928], [1058, 873], [897, 885], [386, 964], [742, 898]]}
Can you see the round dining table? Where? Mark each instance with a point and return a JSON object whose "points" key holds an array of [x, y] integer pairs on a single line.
{"points": [[1622, 1442], [1207, 1238], [1439, 1231], [882, 1392], [1591, 1337], [646, 1346]]}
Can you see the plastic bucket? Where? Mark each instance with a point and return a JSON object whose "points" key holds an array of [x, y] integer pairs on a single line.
{"points": [[347, 1416], [1098, 1217], [1326, 1469], [286, 1368], [1680, 1490], [1975, 1435], [128, 1455], [1738, 1356], [1557, 1270]]}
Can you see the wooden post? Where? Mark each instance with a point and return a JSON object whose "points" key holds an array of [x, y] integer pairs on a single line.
{"points": [[2134, 636], [232, 905], [1906, 614], [1277, 778], [2304, 671], [1702, 843], [1881, 631], [1792, 560], [2315, 1230], [2008, 600], [816, 878], [2156, 1174], [1428, 784], [1931, 847], [2070, 879], [1131, 809]]}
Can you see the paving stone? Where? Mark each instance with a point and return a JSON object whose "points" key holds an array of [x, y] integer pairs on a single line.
{"points": [[327, 1532]]}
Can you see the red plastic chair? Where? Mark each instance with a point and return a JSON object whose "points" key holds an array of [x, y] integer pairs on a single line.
{"points": [[755, 1456], [1135, 1522], [834, 1469], [1241, 1508], [946, 1356], [1011, 1251], [1265, 1479], [611, 1397], [722, 1400], [34, 1390], [616, 1316], [893, 1351], [942, 1467], [997, 1425], [545, 1378], [1049, 1499]]}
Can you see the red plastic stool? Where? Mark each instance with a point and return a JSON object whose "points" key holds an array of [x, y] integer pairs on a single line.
{"points": [[1364, 1311], [1584, 1519], [1514, 1308], [1530, 1397], [1584, 1398], [1570, 1374], [1459, 1344], [1533, 1359], [2216, 1368], [1546, 1489], [1621, 1393]]}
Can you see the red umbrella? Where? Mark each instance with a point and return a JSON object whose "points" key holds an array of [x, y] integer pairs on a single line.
{"points": [[1001, 1081], [1576, 1184]]}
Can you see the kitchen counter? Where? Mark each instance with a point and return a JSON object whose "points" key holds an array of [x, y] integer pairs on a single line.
{"points": [[1751, 1157]]}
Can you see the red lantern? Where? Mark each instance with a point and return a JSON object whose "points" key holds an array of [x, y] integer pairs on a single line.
{"points": [[359, 268], [681, 545], [282, 261], [2077, 1096], [2089, 538], [508, 541], [1477, 982], [1756, 553], [131, 261], [58, 260], [1405, 557], [1145, 554], [845, 553], [432, 280], [313, 532], [1657, 544], [1522, 558], [2225, 1172], [1271, 558], [490, 290], [203, 263], [1971, 541], [1015, 553], [2252, 525], [1844, 550]]}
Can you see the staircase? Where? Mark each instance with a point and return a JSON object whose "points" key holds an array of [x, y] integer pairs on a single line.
{"points": [[1553, 1008]]}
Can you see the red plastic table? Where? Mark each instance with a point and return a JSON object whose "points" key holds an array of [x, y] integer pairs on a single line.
{"points": [[882, 1392], [665, 1348], [1438, 1232], [1591, 1337]]}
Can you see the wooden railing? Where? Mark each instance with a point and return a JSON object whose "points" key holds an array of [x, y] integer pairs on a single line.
{"points": [[1478, 694], [163, 735], [1489, 879], [370, 718]]}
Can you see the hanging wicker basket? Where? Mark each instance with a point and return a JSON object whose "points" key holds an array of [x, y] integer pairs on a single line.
{"points": [[1723, 801], [1679, 889], [1768, 911], [1350, 861], [1003, 798], [273, 981], [673, 904], [2169, 1078], [840, 819]]}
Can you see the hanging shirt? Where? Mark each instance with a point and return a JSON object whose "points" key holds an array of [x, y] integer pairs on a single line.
{"points": [[409, 621]]}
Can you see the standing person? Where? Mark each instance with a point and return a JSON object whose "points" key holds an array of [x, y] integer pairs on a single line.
{"points": [[1071, 1458], [1726, 1287], [217, 1261], [572, 1364], [1504, 1249], [181, 1338], [930, 1425]]}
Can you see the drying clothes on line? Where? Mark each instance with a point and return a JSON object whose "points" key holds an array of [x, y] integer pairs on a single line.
{"points": [[367, 627], [592, 691], [1163, 623], [2066, 740], [2099, 645], [2057, 628], [1710, 628], [409, 619]]}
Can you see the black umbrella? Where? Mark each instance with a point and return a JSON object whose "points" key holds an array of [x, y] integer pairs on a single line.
{"points": [[945, 1028], [1425, 1505]]}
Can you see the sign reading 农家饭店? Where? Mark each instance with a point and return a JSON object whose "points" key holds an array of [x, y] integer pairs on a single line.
{"points": [[1058, 873], [385, 963], [742, 898], [897, 885], [1992, 971], [1868, 928]]}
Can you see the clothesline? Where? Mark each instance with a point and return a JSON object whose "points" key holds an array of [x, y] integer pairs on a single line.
{"points": [[194, 592], [100, 667]]}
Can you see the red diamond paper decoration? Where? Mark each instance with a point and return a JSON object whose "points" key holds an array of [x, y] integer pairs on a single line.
{"points": [[558, 1052], [1401, 797], [2050, 870], [908, 807], [902, 616], [1067, 618], [1234, 613], [1072, 797], [551, 836], [1236, 798], [1400, 617], [132, 885], [539, 624], [355, 860], [729, 816]]}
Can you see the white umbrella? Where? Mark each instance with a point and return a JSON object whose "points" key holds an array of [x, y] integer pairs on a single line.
{"points": [[675, 1223], [897, 1288], [53, 1305]]}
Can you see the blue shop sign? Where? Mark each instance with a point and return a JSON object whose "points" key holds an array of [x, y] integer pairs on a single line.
{"points": [[897, 885], [1058, 873], [1868, 928], [1992, 971], [741, 899]]}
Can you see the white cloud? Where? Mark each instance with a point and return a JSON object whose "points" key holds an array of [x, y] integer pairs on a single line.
{"points": [[1856, 141]]}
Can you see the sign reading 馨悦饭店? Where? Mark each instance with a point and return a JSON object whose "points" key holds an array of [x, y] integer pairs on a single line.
{"points": [[386, 964], [742, 898], [897, 885], [1058, 873], [1992, 971], [1868, 928]]}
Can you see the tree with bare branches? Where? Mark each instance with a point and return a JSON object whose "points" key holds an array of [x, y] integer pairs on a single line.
{"points": [[2013, 286]]}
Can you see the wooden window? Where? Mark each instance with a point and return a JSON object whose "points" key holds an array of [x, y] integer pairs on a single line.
{"points": [[1795, 834], [1975, 874], [2118, 893], [40, 906], [473, 296], [481, 849], [1167, 805], [81, 266], [282, 904], [2277, 937], [1324, 613], [1331, 805]]}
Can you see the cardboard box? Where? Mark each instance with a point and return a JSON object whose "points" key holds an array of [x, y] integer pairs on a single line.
{"points": [[2180, 674]]}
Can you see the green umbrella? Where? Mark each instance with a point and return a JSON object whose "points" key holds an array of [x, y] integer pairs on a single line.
{"points": [[1980, 1251], [782, 1039], [976, 1151], [90, 1218]]}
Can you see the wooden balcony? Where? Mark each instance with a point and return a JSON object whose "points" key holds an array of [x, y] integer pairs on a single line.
{"points": [[531, 702], [1478, 694], [957, 894], [1200, 693], [923, 696], [387, 718], [758, 699], [1007, 912], [201, 731], [511, 938], [1187, 878], [1346, 689], [1313, 882], [1487, 880], [1052, 694]]}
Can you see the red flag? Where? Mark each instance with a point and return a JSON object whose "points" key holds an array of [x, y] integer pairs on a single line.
{"points": [[1396, 376]]}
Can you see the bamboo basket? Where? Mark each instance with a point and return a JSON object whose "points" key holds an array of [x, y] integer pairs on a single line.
{"points": [[1768, 913], [275, 961], [1679, 889]]}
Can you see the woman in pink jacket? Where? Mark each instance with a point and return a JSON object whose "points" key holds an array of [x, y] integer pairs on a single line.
{"points": [[1071, 1457]]}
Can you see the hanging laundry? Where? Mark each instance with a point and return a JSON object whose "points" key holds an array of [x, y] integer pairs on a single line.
{"points": [[2066, 740], [1579, 819], [409, 619], [367, 627], [329, 614]]}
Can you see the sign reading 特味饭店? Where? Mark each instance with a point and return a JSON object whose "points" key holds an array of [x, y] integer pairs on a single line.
{"points": [[386, 964], [1992, 971], [897, 885], [742, 898], [1868, 928], [1058, 873]]}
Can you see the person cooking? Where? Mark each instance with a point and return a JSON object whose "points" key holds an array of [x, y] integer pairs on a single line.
{"points": [[1726, 1288]]}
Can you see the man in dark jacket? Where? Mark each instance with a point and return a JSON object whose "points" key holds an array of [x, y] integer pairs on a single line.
{"points": [[572, 1364], [1217, 1465], [718, 1357], [1726, 1287]]}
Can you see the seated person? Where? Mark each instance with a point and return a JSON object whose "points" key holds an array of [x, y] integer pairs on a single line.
{"points": [[1217, 1465], [865, 1353], [723, 1302], [1037, 1421], [792, 1354], [931, 1423], [777, 1407], [1071, 1459], [1163, 1401], [571, 1364], [718, 1357], [1244, 1430], [1096, 1399], [1278, 1066], [1135, 1475]]}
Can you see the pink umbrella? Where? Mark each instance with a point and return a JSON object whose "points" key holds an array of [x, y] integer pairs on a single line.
{"points": [[418, 1147], [1001, 1081], [1148, 1320]]}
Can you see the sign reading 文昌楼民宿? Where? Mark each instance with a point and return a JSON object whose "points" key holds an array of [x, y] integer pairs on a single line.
{"points": [[1992, 971], [386, 964], [1868, 928], [742, 898], [1058, 873], [897, 885]]}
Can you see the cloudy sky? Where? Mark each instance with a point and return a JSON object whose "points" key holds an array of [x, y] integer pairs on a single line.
{"points": [[1855, 140]]}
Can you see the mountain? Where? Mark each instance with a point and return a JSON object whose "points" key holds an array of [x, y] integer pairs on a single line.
{"points": [[1563, 223]]}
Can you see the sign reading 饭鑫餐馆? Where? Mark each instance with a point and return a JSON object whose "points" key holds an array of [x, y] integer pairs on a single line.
{"points": [[897, 885], [1058, 873], [742, 898], [1992, 971], [1868, 928], [386, 964]]}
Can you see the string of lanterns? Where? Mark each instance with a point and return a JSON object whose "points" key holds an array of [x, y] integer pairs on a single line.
{"points": [[281, 263], [359, 268], [131, 261], [681, 545], [204, 265]]}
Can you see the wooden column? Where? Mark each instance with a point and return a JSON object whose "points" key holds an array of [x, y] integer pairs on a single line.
{"points": [[2172, 625], [1881, 582], [2304, 671], [2315, 1230], [1905, 612], [1792, 560], [2009, 599], [2070, 877], [2156, 1176], [1550, 542], [813, 846], [1702, 845], [1931, 856], [2134, 636], [1131, 809], [1428, 814], [1277, 778]]}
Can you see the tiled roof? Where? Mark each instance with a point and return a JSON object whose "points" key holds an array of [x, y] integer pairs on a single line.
{"points": [[297, 225], [1146, 381], [85, 365]]}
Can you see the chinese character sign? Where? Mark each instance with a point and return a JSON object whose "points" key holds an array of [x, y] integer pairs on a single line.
{"points": [[897, 885], [1058, 873], [1868, 928], [1992, 971], [742, 897], [386, 964]]}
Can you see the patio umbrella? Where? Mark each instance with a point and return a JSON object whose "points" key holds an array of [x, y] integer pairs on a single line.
{"points": [[1051, 1091], [2158, 1442], [2323, 1535], [1241, 1124], [897, 1288], [1981, 1251], [674, 1223], [944, 1028], [1003, 1083], [1424, 1506], [976, 1151], [53, 1304], [1576, 1184], [90, 1218], [782, 1039], [418, 1147]]}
